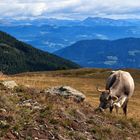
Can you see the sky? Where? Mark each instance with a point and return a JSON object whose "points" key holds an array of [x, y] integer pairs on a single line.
{"points": [[69, 9]]}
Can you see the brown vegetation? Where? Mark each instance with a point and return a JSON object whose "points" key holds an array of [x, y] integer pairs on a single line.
{"points": [[84, 80], [60, 118]]}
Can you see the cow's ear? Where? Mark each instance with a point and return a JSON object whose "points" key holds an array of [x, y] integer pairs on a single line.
{"points": [[114, 98]]}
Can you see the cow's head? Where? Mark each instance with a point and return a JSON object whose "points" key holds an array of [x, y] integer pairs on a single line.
{"points": [[106, 99]]}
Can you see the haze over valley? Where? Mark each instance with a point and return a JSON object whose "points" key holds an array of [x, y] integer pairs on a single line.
{"points": [[54, 34]]}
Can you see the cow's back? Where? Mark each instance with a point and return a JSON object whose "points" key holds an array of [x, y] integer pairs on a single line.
{"points": [[128, 83], [120, 82]]}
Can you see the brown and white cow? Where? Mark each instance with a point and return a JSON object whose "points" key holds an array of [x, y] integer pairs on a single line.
{"points": [[119, 88]]}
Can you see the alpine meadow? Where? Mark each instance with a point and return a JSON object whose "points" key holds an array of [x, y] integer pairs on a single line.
{"points": [[70, 70]]}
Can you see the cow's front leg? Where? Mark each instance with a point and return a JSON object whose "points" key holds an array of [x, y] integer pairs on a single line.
{"points": [[111, 108]]}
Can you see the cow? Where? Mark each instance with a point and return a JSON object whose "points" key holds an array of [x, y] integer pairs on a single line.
{"points": [[119, 88]]}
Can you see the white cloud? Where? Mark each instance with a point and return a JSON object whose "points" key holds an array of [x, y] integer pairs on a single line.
{"points": [[70, 8]]}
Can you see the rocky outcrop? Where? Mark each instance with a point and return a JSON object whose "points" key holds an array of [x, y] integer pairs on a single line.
{"points": [[67, 92], [9, 84]]}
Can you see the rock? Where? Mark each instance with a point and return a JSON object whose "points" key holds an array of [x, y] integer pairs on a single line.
{"points": [[119, 126], [2, 110], [128, 138], [27, 104], [31, 104], [9, 84], [66, 91], [37, 108], [4, 124], [27, 101]]}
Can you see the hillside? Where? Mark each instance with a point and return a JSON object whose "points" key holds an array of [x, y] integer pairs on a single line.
{"points": [[17, 56], [121, 53], [29, 113]]}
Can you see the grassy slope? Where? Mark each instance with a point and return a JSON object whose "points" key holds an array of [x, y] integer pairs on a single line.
{"points": [[84, 80], [65, 119]]}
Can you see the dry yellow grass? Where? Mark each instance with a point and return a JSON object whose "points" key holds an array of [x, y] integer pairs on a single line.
{"points": [[84, 80]]}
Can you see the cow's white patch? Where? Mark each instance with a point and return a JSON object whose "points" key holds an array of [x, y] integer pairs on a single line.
{"points": [[120, 102], [117, 104]]}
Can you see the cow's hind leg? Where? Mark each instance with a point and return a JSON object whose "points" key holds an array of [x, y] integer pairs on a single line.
{"points": [[117, 109], [125, 108]]}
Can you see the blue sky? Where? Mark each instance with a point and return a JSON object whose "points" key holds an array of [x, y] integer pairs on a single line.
{"points": [[69, 9]]}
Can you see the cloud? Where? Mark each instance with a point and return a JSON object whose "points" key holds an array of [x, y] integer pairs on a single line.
{"points": [[76, 9]]}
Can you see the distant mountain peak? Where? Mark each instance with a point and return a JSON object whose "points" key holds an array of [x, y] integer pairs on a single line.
{"points": [[98, 18]]}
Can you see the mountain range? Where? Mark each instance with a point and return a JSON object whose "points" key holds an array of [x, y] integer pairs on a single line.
{"points": [[54, 34], [17, 57], [121, 53]]}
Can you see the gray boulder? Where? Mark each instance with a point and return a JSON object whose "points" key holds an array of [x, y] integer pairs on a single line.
{"points": [[9, 84], [67, 92]]}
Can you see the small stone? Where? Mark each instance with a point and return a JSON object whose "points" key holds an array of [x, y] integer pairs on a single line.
{"points": [[16, 133], [2, 110], [119, 126], [128, 138], [4, 124], [35, 128], [27, 104], [36, 107], [28, 101]]}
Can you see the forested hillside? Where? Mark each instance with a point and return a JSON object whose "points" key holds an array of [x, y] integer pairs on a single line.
{"points": [[121, 53], [16, 56]]}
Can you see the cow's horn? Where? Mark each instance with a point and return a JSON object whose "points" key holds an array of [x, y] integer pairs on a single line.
{"points": [[115, 98], [100, 90]]}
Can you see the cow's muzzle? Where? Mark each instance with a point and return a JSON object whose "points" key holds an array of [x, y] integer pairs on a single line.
{"points": [[99, 109]]}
